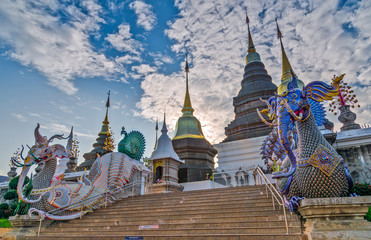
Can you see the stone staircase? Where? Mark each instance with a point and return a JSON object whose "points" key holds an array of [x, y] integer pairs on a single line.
{"points": [[232, 213]]}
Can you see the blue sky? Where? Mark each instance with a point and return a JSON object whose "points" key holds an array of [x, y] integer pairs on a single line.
{"points": [[58, 59]]}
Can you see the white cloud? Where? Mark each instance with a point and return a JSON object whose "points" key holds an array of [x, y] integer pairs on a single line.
{"points": [[146, 18], [123, 41], [160, 59], [57, 128], [58, 48], [144, 69], [34, 114], [215, 35], [19, 117]]}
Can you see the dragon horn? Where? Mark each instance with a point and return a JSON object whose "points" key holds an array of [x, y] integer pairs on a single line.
{"points": [[38, 138], [22, 153], [263, 120], [58, 136]]}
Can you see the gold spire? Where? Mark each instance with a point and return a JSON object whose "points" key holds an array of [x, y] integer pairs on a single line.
{"points": [[188, 125], [105, 122], [287, 71], [156, 134], [286, 66], [187, 100], [251, 44]]}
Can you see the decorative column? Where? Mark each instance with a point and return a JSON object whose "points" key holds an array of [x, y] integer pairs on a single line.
{"points": [[347, 118]]}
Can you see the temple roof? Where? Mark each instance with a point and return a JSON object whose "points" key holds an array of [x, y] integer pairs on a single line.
{"points": [[164, 148], [188, 125], [286, 68]]}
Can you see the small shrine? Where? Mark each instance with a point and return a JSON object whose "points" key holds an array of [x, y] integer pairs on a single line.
{"points": [[165, 164]]}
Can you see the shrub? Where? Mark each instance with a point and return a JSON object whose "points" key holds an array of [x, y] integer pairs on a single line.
{"points": [[14, 182], [11, 195], [4, 206], [13, 206], [362, 189], [4, 223], [368, 215]]}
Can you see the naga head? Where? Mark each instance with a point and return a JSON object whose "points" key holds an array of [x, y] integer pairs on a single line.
{"points": [[293, 106], [41, 152]]}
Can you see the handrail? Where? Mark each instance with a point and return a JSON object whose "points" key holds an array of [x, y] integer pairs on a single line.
{"points": [[275, 194]]}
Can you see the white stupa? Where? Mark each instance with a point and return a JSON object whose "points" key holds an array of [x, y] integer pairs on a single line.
{"points": [[165, 164]]}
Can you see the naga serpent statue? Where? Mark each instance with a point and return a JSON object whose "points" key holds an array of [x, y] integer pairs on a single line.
{"points": [[63, 201], [311, 166]]}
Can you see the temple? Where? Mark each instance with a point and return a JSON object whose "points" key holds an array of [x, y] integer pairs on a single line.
{"points": [[100, 146], [256, 84], [240, 149], [190, 144]]}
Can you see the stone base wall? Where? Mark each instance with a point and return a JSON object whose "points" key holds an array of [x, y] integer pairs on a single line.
{"points": [[336, 218], [358, 160]]}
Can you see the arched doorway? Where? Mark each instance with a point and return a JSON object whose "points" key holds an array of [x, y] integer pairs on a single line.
{"points": [[158, 175]]}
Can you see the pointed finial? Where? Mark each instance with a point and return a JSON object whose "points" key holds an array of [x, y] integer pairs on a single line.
{"points": [[164, 129], [251, 47], [286, 66], [186, 65], [105, 122], [187, 100], [69, 141], [279, 34], [156, 128]]}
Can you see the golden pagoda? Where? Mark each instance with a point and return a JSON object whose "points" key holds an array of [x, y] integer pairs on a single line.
{"points": [[190, 144], [188, 125], [100, 146], [286, 66]]}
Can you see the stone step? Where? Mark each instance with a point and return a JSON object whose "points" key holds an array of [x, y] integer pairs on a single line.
{"points": [[181, 208], [215, 190], [191, 213], [245, 203], [170, 196], [215, 213], [233, 213], [199, 194], [218, 201], [160, 231], [185, 219], [136, 224], [293, 236]]}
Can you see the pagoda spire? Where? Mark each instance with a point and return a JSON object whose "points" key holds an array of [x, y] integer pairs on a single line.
{"points": [[252, 55], [105, 122], [286, 66], [251, 47], [187, 100], [164, 129], [156, 128]]}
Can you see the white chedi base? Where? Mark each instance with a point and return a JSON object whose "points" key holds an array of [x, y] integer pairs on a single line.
{"points": [[238, 159], [61, 167]]}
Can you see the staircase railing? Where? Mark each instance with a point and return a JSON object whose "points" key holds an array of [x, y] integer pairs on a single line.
{"points": [[262, 179]]}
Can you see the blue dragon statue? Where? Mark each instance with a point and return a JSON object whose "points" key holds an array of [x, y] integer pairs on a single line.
{"points": [[311, 168]]}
